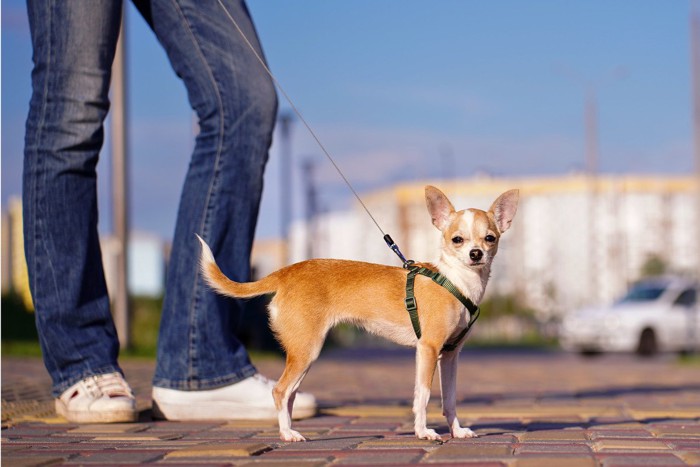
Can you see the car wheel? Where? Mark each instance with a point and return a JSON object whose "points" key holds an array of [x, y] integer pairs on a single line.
{"points": [[647, 343]]}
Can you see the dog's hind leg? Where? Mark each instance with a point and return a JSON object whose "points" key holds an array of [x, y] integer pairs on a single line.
{"points": [[284, 393], [426, 362]]}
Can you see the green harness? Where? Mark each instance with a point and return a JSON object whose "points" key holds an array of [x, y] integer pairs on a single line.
{"points": [[412, 305]]}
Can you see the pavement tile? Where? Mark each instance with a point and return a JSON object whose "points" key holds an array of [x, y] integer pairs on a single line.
{"points": [[664, 412], [325, 444], [690, 458], [555, 461], [328, 454], [402, 442], [137, 437], [555, 436], [485, 437], [285, 463], [40, 440], [536, 448], [34, 461], [621, 444], [228, 435], [116, 457], [108, 428], [240, 449], [237, 425], [371, 411], [679, 431], [605, 434], [684, 444], [378, 456], [189, 427], [469, 451], [634, 459]]}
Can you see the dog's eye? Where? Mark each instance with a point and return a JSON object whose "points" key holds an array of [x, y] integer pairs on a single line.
{"points": [[490, 238], [457, 240]]}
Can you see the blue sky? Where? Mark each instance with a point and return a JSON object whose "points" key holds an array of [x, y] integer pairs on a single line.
{"points": [[408, 90]]}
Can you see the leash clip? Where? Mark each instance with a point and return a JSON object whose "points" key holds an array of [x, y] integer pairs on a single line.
{"points": [[407, 263]]}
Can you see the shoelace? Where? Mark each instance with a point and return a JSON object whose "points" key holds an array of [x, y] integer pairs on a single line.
{"points": [[110, 385]]}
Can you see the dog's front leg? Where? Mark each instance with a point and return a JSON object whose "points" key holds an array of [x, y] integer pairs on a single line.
{"points": [[426, 361], [448, 388]]}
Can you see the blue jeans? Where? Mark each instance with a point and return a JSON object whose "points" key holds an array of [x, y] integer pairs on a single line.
{"points": [[74, 43]]}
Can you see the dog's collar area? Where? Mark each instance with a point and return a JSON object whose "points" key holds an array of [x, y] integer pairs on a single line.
{"points": [[441, 280]]}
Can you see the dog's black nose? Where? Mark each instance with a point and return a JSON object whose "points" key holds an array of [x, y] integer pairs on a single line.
{"points": [[476, 254]]}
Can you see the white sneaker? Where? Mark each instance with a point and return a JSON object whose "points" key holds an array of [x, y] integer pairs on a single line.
{"points": [[250, 399], [98, 399]]}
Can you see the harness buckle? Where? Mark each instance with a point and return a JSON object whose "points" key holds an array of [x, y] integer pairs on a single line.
{"points": [[411, 303]]}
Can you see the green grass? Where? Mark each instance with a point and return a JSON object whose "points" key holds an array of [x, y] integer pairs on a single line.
{"points": [[689, 359]]}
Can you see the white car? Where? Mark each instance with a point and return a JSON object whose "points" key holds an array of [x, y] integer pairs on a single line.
{"points": [[656, 315]]}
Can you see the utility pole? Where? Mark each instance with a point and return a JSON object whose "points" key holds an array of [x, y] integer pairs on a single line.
{"points": [[120, 224], [285, 121], [695, 78], [592, 165], [311, 196]]}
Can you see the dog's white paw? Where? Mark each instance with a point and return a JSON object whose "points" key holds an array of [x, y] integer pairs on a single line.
{"points": [[291, 436], [428, 434], [463, 433]]}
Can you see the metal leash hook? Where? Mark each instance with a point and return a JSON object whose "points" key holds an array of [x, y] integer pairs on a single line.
{"points": [[395, 248]]}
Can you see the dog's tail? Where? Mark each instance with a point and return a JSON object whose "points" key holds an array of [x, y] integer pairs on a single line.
{"points": [[218, 281]]}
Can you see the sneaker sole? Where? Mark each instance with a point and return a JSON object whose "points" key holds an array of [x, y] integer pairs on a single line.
{"points": [[221, 411], [111, 416]]}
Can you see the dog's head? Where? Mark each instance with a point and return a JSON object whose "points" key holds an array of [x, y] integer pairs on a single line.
{"points": [[471, 235]]}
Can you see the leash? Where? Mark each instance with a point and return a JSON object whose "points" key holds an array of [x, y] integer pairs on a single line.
{"points": [[411, 304], [387, 238]]}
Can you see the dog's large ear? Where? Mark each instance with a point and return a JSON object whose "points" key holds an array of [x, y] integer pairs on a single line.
{"points": [[439, 207], [504, 208]]}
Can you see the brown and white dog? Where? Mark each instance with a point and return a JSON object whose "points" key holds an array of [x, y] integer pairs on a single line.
{"points": [[313, 296]]}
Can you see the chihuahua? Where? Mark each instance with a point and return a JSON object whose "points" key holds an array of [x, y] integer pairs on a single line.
{"points": [[313, 296]]}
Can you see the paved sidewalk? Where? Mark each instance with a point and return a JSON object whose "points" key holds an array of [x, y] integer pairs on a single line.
{"points": [[530, 409]]}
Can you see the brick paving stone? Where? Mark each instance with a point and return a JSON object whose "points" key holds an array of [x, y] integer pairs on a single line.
{"points": [[469, 451], [633, 459], [285, 463], [676, 431], [137, 437], [606, 434], [116, 457], [13, 460], [324, 444], [239, 449], [555, 436], [554, 461], [534, 448], [690, 458], [378, 456], [618, 444], [402, 442]]}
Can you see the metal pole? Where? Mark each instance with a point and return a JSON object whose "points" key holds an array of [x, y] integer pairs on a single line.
{"points": [[285, 121], [311, 206], [695, 77], [119, 189]]}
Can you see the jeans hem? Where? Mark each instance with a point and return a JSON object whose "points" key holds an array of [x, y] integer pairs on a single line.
{"points": [[209, 383], [60, 388]]}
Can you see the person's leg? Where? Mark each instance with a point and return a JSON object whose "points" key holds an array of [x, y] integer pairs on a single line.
{"points": [[236, 105], [73, 45]]}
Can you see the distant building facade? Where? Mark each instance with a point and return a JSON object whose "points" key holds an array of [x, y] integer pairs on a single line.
{"points": [[575, 240]]}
